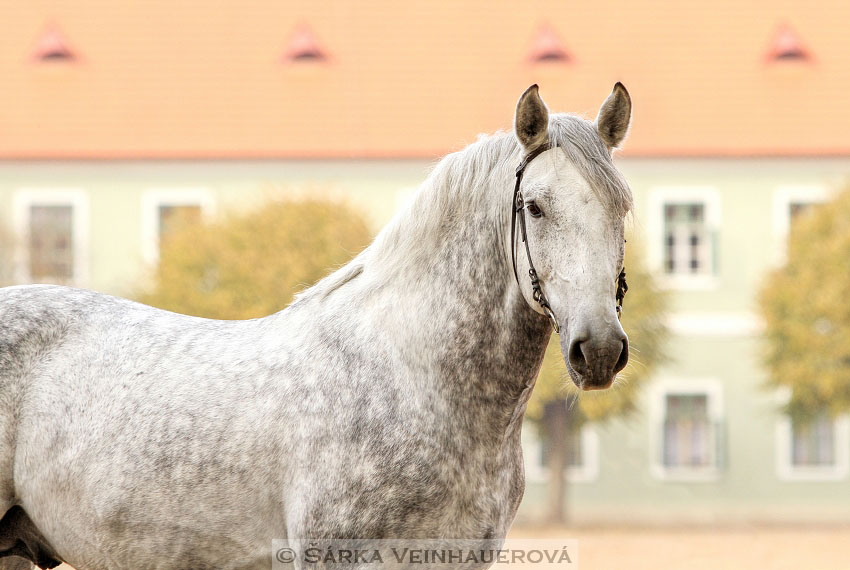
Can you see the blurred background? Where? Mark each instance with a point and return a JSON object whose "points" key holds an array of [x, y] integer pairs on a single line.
{"points": [[216, 157]]}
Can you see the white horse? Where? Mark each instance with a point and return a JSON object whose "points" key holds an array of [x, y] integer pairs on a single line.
{"points": [[386, 401]]}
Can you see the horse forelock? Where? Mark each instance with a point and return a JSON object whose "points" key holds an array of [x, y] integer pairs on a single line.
{"points": [[586, 150]]}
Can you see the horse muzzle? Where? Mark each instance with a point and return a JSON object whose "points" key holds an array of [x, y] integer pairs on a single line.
{"points": [[593, 360]]}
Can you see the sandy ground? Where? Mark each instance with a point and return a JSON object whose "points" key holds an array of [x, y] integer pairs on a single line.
{"points": [[734, 548]]}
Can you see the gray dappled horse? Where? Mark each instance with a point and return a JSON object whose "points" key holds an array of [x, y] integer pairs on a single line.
{"points": [[386, 401]]}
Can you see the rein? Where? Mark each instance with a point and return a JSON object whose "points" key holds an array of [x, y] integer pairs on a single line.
{"points": [[518, 207]]}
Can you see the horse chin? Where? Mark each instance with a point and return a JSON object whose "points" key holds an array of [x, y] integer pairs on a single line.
{"points": [[587, 384]]}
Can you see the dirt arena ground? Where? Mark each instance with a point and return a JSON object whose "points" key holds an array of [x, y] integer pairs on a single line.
{"points": [[733, 548], [698, 548]]}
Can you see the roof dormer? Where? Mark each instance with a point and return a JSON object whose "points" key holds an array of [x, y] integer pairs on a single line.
{"points": [[52, 46], [547, 47], [304, 46], [786, 45]]}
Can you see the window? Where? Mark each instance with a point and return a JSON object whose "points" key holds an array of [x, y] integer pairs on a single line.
{"points": [[688, 433], [582, 455], [172, 217], [798, 209], [165, 210], [682, 228], [813, 450], [813, 443], [687, 250], [52, 231], [795, 209], [51, 241], [686, 422], [790, 203]]}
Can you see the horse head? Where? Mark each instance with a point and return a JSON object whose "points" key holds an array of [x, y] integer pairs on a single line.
{"points": [[572, 203]]}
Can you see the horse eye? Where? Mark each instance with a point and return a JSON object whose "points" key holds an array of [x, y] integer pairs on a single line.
{"points": [[533, 210]]}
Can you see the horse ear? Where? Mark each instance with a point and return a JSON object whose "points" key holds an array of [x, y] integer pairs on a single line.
{"points": [[531, 122], [612, 123]]}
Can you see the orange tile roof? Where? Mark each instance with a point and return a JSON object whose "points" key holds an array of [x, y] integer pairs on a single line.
{"points": [[194, 79]]}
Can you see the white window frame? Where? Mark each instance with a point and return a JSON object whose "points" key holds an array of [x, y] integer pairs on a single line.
{"points": [[787, 471], [783, 197], [154, 198], [659, 197], [588, 472], [658, 392], [22, 202]]}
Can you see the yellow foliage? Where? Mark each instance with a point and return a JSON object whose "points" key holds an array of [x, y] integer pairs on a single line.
{"points": [[806, 307], [643, 321], [252, 264]]}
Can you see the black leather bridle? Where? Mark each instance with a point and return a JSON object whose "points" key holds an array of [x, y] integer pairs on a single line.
{"points": [[518, 207]]}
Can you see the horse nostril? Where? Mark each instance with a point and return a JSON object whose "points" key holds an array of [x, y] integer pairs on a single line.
{"points": [[624, 357], [577, 358]]}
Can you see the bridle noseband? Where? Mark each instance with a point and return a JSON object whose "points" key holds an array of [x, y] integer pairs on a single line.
{"points": [[518, 207]]}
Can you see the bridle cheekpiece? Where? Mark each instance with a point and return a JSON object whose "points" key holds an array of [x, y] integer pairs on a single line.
{"points": [[518, 207]]}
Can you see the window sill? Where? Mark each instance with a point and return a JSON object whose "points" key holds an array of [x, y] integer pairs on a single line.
{"points": [[686, 474], [812, 474], [688, 282]]}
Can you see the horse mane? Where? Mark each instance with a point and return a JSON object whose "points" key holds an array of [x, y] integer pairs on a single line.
{"points": [[466, 180]]}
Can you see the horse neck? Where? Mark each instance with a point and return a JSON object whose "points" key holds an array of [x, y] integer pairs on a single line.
{"points": [[458, 308]]}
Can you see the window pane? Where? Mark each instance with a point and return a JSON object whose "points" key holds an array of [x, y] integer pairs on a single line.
{"points": [[686, 244], [51, 247], [813, 442], [695, 212], [688, 435], [670, 253]]}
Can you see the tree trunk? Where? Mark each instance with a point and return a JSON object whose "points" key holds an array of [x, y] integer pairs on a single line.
{"points": [[556, 426]]}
